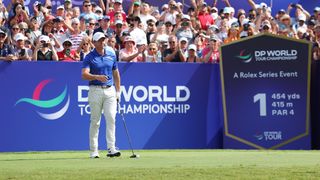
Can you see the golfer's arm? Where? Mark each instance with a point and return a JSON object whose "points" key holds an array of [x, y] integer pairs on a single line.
{"points": [[116, 76], [87, 75]]}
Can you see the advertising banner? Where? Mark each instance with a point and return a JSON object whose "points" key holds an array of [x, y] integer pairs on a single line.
{"points": [[44, 106], [266, 93]]}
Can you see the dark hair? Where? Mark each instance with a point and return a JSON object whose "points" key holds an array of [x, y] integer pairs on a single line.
{"points": [[190, 9], [86, 1]]}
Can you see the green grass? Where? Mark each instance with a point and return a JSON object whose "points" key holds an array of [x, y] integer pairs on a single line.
{"points": [[163, 164]]}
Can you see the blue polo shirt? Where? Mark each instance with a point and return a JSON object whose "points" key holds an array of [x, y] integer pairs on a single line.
{"points": [[101, 65]]}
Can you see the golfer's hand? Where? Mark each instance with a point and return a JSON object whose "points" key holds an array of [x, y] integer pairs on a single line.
{"points": [[118, 97], [101, 78]]}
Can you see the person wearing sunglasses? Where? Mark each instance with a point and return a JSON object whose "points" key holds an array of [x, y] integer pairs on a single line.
{"points": [[67, 54], [85, 47], [6, 50], [87, 12], [20, 50], [152, 54]]}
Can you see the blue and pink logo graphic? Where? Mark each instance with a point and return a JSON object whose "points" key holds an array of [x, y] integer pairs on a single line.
{"points": [[47, 104]]}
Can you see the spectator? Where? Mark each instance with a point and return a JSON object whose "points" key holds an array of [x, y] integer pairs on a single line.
{"points": [[192, 54], [152, 54], [160, 35], [185, 30], [145, 14], [233, 33], [60, 11], [44, 50], [174, 53], [67, 54], [6, 50], [204, 17], [19, 15], [104, 23], [170, 14], [34, 31], [117, 7], [135, 8], [67, 5], [74, 33], [87, 11], [136, 32], [21, 52], [211, 53], [169, 27], [151, 30], [130, 53], [85, 47]]}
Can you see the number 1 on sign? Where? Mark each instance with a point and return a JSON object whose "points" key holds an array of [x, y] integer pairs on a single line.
{"points": [[261, 97]]}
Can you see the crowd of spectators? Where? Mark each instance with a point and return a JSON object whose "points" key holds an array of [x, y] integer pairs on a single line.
{"points": [[144, 33]]}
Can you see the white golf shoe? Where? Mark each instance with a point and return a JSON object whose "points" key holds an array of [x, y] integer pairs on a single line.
{"points": [[113, 152], [94, 154]]}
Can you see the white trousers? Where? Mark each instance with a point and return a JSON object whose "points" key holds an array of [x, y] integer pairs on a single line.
{"points": [[102, 100]]}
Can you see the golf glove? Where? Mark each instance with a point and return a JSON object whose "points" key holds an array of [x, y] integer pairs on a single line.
{"points": [[118, 96]]}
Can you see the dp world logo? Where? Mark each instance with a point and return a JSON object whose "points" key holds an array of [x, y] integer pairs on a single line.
{"points": [[47, 104], [246, 58], [258, 136]]}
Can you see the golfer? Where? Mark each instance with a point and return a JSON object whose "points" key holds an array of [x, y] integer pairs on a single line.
{"points": [[101, 69]]}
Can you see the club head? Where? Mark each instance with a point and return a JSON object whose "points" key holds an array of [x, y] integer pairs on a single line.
{"points": [[134, 156]]}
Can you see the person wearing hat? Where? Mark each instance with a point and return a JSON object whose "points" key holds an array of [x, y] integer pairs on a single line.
{"points": [[300, 23], [130, 53], [192, 54], [60, 11], [185, 29], [76, 35], [266, 27], [169, 27], [6, 50], [20, 50], [118, 33], [211, 53], [174, 53], [135, 8], [44, 51], [100, 68], [104, 26], [67, 54], [151, 29], [136, 32], [67, 5], [233, 33]]}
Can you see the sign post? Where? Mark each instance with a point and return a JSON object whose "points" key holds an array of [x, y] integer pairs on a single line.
{"points": [[266, 93]]}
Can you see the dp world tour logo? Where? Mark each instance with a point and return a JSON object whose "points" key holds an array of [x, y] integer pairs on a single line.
{"points": [[245, 58], [51, 103]]}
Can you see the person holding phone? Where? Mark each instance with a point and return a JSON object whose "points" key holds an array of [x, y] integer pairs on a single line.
{"points": [[67, 54], [44, 51], [20, 50]]}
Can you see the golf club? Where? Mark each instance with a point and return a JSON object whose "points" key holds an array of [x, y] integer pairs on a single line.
{"points": [[127, 132]]}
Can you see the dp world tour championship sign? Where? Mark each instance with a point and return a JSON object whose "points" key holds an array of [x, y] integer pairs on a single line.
{"points": [[265, 87]]}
